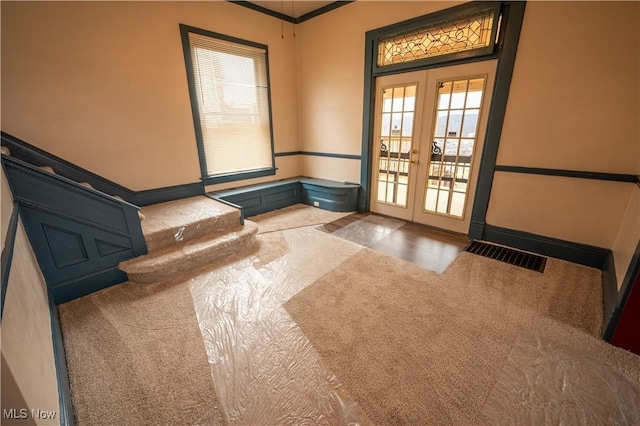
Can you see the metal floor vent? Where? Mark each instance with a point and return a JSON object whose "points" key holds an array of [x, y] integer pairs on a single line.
{"points": [[508, 255]]}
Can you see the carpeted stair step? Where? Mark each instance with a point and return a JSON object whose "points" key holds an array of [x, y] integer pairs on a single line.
{"points": [[174, 222], [176, 259]]}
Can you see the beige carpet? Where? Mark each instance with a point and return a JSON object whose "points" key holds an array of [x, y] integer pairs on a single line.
{"points": [[296, 216], [418, 348], [566, 291], [136, 357], [378, 340]]}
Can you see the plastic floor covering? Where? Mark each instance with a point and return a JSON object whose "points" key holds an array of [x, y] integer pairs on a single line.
{"points": [[266, 371]]}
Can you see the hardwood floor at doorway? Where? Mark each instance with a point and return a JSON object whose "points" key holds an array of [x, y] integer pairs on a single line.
{"points": [[427, 247]]}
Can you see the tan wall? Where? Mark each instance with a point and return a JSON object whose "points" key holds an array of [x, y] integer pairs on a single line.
{"points": [[574, 101], [331, 62], [27, 346], [565, 208], [573, 107], [103, 84]]}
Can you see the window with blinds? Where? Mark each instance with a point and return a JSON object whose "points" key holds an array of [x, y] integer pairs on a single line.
{"points": [[229, 87]]}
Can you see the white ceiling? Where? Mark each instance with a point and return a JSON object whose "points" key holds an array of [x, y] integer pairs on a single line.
{"points": [[292, 8]]}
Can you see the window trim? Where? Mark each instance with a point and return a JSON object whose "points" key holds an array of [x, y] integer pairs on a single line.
{"points": [[186, 49]]}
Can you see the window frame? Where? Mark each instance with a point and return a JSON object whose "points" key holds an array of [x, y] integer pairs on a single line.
{"points": [[437, 18], [206, 178]]}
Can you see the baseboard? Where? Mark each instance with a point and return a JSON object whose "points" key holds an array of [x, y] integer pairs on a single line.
{"points": [[582, 254], [169, 193], [87, 284], [66, 417], [609, 292], [623, 295]]}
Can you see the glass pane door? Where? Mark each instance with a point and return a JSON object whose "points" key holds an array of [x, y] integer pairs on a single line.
{"points": [[396, 138], [454, 133], [428, 138], [456, 109], [398, 124]]}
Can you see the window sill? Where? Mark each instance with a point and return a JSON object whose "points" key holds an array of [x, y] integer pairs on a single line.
{"points": [[231, 177]]}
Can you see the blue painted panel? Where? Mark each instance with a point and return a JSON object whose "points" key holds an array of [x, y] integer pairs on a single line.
{"points": [[76, 249], [333, 196], [249, 200], [67, 247], [262, 198], [30, 184], [289, 194]]}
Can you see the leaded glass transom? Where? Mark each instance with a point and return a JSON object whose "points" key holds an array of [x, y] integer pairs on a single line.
{"points": [[469, 33]]}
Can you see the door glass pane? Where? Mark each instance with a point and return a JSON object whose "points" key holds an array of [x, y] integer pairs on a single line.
{"points": [[398, 99], [474, 97], [407, 124], [470, 123], [385, 127], [458, 109], [396, 139], [444, 95], [441, 124], [387, 95], [459, 94], [451, 148], [455, 124]]}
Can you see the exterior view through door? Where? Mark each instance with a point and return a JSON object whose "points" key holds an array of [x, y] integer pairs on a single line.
{"points": [[428, 139]]}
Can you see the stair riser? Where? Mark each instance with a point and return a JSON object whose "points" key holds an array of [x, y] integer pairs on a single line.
{"points": [[185, 261], [172, 237]]}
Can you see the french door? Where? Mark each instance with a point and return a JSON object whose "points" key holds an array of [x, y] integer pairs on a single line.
{"points": [[428, 139]]}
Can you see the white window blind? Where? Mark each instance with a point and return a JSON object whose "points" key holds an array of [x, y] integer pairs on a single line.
{"points": [[231, 84]]}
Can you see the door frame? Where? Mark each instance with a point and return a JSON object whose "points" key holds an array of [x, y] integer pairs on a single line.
{"points": [[512, 13]]}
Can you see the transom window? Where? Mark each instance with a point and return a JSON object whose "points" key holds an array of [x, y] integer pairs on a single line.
{"points": [[229, 88], [454, 36]]}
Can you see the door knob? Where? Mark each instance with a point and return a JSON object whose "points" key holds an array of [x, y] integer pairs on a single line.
{"points": [[411, 160]]}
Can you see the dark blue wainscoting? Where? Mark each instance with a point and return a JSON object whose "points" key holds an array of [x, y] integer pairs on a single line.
{"points": [[79, 235], [262, 198], [329, 195]]}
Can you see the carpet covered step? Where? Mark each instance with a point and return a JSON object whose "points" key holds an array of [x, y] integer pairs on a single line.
{"points": [[176, 259], [175, 222]]}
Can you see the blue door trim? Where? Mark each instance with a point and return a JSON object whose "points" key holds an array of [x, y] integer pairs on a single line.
{"points": [[505, 52]]}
